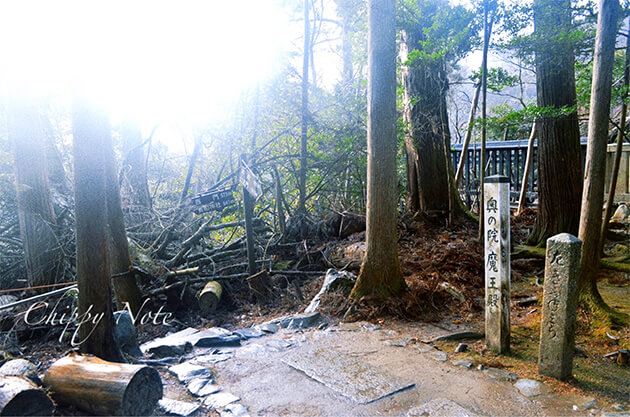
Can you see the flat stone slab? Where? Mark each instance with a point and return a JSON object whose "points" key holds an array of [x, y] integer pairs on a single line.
{"points": [[234, 410], [441, 407], [220, 400], [174, 344], [178, 408], [531, 388], [500, 374], [250, 333], [187, 371], [201, 387], [349, 376]]}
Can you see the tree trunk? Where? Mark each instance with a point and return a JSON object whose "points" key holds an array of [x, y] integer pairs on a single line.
{"points": [[36, 215], [425, 86], [380, 272], [304, 123], [191, 169], [620, 136], [526, 169], [134, 168], [104, 388], [559, 153], [124, 283], [487, 32], [91, 131], [21, 397], [593, 197], [469, 130]]}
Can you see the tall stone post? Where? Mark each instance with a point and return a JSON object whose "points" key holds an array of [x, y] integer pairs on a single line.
{"points": [[496, 206], [560, 297]]}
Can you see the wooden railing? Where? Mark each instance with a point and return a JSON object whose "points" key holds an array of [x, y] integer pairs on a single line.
{"points": [[508, 158]]}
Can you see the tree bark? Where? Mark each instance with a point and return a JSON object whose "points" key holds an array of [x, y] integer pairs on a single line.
{"points": [[91, 130], [593, 195], [104, 388], [134, 170], [380, 272], [191, 169], [304, 114], [425, 87], [36, 215], [124, 283], [559, 153]]}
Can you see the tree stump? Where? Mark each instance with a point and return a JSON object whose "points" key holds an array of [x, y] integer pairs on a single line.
{"points": [[21, 397], [209, 297], [104, 388]]}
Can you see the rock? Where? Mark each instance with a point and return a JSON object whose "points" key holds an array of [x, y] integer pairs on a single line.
{"points": [[348, 257], [531, 388], [21, 367], [178, 408], [464, 364], [268, 327], [527, 301], [618, 407], [216, 337], [399, 343], [126, 334], [481, 367], [500, 374], [202, 387], [621, 214], [462, 347], [249, 333], [438, 356], [220, 400], [441, 407], [278, 345], [174, 344], [424, 348], [299, 321], [211, 358], [187, 371], [234, 410], [334, 280]]}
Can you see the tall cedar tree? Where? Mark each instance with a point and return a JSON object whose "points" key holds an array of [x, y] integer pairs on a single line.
{"points": [[593, 199], [430, 176], [380, 272], [36, 215], [91, 130], [560, 158]]}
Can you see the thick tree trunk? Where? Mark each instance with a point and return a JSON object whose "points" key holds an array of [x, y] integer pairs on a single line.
{"points": [[120, 265], [559, 154], [91, 130], [104, 388], [380, 273], [593, 198], [425, 86], [42, 250], [134, 168]]}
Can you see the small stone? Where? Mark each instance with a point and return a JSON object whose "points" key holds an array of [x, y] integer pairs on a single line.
{"points": [[438, 356], [398, 343], [187, 371], [576, 408], [21, 367], [268, 327], [531, 388], [174, 344], [278, 345], [211, 358], [462, 347], [424, 348], [216, 337], [178, 408], [249, 333], [621, 214], [234, 410], [500, 374], [464, 364], [481, 367], [220, 400], [202, 387]]}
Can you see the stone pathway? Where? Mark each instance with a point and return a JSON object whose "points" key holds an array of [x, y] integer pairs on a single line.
{"points": [[293, 366]]}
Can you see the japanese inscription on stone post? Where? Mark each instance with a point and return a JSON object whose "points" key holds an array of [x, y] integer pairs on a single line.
{"points": [[497, 261]]}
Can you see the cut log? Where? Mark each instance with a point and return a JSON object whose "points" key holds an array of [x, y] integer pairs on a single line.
{"points": [[209, 297], [21, 397], [104, 388]]}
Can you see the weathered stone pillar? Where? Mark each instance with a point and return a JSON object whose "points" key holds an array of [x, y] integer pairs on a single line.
{"points": [[560, 296], [497, 261]]}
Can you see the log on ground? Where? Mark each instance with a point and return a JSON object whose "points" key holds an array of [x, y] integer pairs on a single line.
{"points": [[209, 298], [21, 397], [104, 388]]}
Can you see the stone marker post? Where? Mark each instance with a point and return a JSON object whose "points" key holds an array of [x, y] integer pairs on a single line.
{"points": [[560, 296], [497, 261]]}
